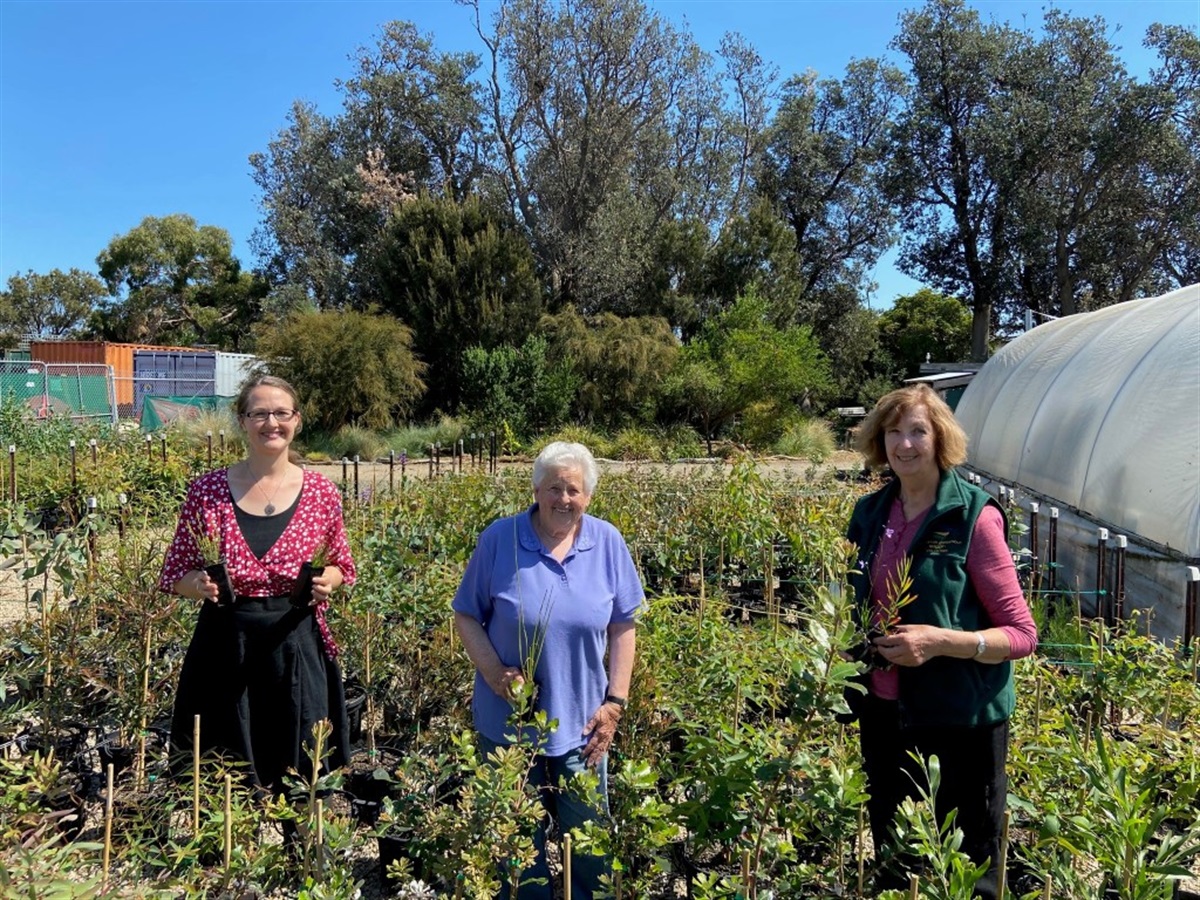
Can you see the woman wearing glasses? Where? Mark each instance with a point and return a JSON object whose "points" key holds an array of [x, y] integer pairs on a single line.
{"points": [[260, 671]]}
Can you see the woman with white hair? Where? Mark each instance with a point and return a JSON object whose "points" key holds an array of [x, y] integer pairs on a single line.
{"points": [[556, 577]]}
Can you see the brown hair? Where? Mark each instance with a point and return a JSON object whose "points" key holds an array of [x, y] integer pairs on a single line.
{"points": [[950, 440], [242, 401]]}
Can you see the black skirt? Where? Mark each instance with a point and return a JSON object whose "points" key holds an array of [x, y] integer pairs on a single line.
{"points": [[257, 675]]}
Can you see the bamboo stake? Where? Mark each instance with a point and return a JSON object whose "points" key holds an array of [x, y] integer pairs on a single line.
{"points": [[196, 776], [228, 823], [913, 888], [139, 772], [458, 887], [617, 884], [370, 706], [320, 837], [1004, 854], [746, 886], [108, 817], [1048, 888], [862, 850], [566, 852], [737, 703], [1037, 704], [1195, 654]]}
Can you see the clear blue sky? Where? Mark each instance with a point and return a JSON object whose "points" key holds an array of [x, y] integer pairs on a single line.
{"points": [[114, 111]]}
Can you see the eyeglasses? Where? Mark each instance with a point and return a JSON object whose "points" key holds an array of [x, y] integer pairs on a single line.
{"points": [[260, 416]]}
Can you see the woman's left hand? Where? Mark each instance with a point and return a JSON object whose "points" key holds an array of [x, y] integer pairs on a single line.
{"points": [[910, 645], [325, 584], [602, 728]]}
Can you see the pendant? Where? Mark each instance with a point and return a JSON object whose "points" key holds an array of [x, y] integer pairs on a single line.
{"points": [[269, 509]]}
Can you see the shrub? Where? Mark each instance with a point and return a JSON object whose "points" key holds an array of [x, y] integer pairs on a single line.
{"points": [[681, 442], [215, 420], [579, 434], [810, 439], [636, 443], [415, 439], [351, 441]]}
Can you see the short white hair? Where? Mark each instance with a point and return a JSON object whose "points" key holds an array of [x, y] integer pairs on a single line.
{"points": [[564, 455]]}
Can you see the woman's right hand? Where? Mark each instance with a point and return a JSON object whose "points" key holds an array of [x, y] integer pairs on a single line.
{"points": [[504, 680]]}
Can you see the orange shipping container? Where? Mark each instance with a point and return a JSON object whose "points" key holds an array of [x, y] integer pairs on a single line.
{"points": [[108, 353]]}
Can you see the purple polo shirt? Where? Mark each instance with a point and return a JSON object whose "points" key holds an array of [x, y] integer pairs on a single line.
{"points": [[512, 583]]}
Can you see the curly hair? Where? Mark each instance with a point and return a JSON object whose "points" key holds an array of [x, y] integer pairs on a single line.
{"points": [[950, 439]]}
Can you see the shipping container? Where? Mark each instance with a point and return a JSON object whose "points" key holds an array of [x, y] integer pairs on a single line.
{"points": [[172, 373], [232, 370], [110, 353]]}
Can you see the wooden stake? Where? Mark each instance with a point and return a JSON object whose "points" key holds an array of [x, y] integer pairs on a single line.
{"points": [[1004, 854], [228, 822], [139, 771], [566, 854], [196, 776], [458, 886], [737, 703], [862, 850], [746, 873], [108, 817], [913, 888], [320, 837], [617, 884], [1048, 888]]}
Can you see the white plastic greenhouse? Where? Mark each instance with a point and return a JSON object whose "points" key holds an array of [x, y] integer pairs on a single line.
{"points": [[1099, 414]]}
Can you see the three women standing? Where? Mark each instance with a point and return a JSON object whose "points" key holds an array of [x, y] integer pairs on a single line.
{"points": [[260, 672]]}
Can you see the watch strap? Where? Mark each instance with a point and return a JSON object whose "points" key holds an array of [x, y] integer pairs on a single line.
{"points": [[622, 702]]}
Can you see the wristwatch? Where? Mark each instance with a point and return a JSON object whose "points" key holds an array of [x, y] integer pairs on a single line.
{"points": [[620, 702], [981, 645]]}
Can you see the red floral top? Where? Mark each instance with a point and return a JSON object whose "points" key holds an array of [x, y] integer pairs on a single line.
{"points": [[317, 520]]}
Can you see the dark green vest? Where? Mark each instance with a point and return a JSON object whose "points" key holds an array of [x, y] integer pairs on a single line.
{"points": [[942, 691]]}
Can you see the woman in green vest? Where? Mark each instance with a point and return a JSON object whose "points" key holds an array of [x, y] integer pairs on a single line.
{"points": [[940, 681]]}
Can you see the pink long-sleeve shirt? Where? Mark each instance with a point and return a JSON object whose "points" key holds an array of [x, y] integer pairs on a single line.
{"points": [[992, 573]]}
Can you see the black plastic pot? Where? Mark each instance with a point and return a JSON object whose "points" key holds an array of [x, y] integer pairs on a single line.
{"points": [[356, 700], [301, 594], [217, 573]]}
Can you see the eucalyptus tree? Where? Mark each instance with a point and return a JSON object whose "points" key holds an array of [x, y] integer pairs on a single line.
{"points": [[54, 305], [609, 124], [823, 165], [173, 281], [953, 175], [410, 118], [1110, 187]]}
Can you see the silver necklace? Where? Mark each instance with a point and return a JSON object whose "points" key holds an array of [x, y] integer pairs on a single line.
{"points": [[269, 509]]}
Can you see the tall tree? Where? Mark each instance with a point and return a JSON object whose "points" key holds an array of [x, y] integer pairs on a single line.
{"points": [[411, 116], [458, 276], [1111, 174], [54, 305], [822, 168], [610, 122], [954, 179], [172, 281]]}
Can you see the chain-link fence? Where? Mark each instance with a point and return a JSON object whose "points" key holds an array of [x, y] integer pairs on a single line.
{"points": [[78, 390]]}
